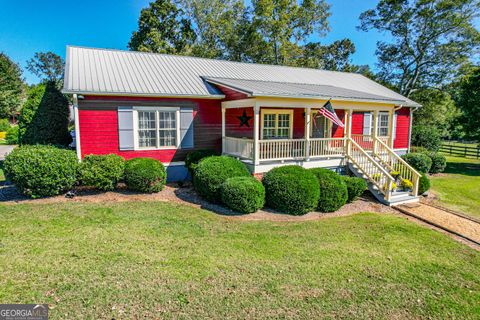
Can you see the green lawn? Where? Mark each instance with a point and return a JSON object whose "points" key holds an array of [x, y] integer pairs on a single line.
{"points": [[159, 260], [459, 187]]}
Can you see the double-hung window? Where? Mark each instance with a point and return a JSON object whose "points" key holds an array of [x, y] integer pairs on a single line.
{"points": [[382, 124], [276, 124], [156, 128]]}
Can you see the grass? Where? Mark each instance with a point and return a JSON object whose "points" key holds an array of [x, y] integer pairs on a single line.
{"points": [[461, 144], [161, 260], [459, 186]]}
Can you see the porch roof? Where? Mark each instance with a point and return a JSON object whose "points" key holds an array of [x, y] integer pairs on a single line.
{"points": [[259, 88]]}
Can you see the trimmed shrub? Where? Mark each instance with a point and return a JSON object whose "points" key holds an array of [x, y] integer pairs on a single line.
{"points": [[243, 194], [193, 158], [419, 161], [211, 172], [102, 171], [423, 184], [4, 125], [333, 190], [145, 175], [419, 149], [12, 135], [428, 137], [439, 162], [291, 189], [41, 171], [355, 187]]}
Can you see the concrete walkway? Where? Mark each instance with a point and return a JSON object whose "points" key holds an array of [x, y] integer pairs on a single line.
{"points": [[444, 219], [4, 150]]}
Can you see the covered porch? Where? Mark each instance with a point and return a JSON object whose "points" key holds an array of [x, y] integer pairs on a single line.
{"points": [[267, 132]]}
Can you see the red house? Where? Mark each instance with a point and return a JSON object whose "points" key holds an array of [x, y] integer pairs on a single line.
{"points": [[164, 106]]}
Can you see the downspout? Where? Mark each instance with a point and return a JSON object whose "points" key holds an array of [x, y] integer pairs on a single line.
{"points": [[77, 127], [410, 128]]}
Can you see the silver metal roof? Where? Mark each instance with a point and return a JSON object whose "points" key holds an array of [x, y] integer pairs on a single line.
{"points": [[117, 72]]}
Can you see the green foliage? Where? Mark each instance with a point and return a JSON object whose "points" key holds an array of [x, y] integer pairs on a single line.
{"points": [[12, 135], [423, 184], [211, 172], [27, 113], [469, 104], [428, 137], [145, 175], [395, 174], [243, 194], [102, 171], [163, 28], [419, 149], [419, 161], [11, 86], [41, 171], [335, 57], [333, 190], [355, 187], [291, 189], [193, 158], [4, 125], [48, 66], [439, 162], [431, 40], [49, 124]]}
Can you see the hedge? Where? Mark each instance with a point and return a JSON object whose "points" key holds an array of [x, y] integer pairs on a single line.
{"points": [[102, 172], [439, 162], [145, 175], [193, 158], [291, 189], [211, 172], [423, 184], [333, 190], [41, 171], [355, 187], [243, 194], [419, 161]]}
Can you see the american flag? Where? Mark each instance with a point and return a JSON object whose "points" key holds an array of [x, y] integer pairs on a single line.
{"points": [[328, 112]]}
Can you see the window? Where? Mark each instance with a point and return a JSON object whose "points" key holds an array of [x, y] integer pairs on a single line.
{"points": [[320, 127], [276, 124], [382, 130], [156, 128]]}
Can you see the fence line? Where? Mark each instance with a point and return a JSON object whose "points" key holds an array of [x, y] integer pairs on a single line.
{"points": [[464, 151]]}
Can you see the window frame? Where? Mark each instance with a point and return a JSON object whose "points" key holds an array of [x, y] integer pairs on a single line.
{"points": [[156, 109], [263, 112], [379, 127]]}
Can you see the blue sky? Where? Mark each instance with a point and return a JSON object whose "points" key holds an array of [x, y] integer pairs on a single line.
{"points": [[27, 27]]}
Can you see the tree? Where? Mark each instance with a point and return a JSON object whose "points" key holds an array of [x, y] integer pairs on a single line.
{"points": [[49, 124], [431, 40], [11, 86], [335, 57], [284, 24], [34, 97], [163, 28], [47, 66], [468, 102]]}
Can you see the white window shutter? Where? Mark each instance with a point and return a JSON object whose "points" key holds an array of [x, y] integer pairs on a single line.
{"points": [[125, 128], [367, 123], [394, 128], [186, 128]]}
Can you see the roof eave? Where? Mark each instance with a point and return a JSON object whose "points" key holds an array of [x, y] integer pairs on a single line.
{"points": [[320, 97], [149, 95]]}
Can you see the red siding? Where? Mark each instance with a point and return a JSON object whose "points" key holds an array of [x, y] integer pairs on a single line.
{"points": [[403, 128], [232, 94], [99, 126], [357, 123], [232, 123], [337, 132]]}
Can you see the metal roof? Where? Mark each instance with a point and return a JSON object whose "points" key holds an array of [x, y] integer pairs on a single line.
{"points": [[118, 72]]}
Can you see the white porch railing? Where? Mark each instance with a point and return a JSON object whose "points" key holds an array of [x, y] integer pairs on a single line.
{"points": [[239, 147], [325, 147], [282, 149]]}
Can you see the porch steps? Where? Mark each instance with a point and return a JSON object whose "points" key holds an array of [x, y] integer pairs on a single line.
{"points": [[396, 198]]}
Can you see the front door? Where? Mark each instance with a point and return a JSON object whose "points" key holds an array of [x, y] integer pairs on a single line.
{"points": [[319, 126]]}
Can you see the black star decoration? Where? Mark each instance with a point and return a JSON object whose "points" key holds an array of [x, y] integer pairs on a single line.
{"points": [[244, 119]]}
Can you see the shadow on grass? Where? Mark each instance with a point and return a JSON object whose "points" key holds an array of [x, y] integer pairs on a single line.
{"points": [[465, 168]]}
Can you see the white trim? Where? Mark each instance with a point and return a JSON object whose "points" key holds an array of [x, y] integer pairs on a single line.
{"points": [[150, 95], [277, 112], [77, 127], [156, 109], [174, 164]]}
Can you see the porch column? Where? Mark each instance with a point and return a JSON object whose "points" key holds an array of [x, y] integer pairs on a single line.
{"points": [[375, 130], [256, 134], [223, 129], [347, 133], [307, 133], [390, 127]]}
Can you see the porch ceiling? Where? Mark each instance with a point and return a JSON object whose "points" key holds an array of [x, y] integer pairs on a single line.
{"points": [[257, 88]]}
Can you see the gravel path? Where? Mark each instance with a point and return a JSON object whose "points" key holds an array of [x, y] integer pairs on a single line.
{"points": [[463, 226]]}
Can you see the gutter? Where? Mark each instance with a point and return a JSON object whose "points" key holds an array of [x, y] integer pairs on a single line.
{"points": [[410, 128]]}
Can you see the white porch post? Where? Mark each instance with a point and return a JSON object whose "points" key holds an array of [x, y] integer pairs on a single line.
{"points": [[307, 133], [223, 129], [375, 130], [348, 129], [256, 134], [390, 127]]}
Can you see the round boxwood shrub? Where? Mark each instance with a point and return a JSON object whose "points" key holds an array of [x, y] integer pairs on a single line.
{"points": [[419, 161], [102, 171], [11, 136], [193, 158], [333, 190], [355, 187], [243, 194], [291, 189], [439, 162], [212, 171], [41, 171], [423, 184], [145, 175]]}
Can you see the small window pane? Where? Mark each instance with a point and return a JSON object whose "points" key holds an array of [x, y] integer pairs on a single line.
{"points": [[147, 129]]}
